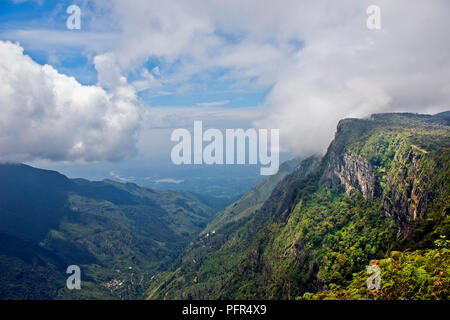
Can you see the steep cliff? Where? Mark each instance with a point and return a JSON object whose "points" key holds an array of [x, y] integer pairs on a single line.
{"points": [[353, 173], [407, 192], [387, 162]]}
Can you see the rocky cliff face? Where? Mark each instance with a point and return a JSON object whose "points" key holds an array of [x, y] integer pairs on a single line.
{"points": [[405, 180], [406, 194], [308, 235], [353, 172], [347, 168]]}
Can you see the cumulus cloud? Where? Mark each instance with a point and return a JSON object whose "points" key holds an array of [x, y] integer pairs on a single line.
{"points": [[47, 115]]}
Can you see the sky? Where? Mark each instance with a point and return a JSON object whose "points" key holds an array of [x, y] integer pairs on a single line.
{"points": [[106, 97]]}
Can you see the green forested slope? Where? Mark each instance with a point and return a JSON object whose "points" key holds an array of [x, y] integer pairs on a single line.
{"points": [[382, 186], [253, 199], [120, 235], [416, 275], [216, 253]]}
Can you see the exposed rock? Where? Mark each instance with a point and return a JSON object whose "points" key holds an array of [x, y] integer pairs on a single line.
{"points": [[406, 194], [353, 172]]}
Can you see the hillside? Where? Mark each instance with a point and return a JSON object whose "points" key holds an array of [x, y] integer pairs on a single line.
{"points": [[417, 275], [121, 235], [382, 186], [253, 199]]}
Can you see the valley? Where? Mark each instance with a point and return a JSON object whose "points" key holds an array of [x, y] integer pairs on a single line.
{"points": [[378, 196], [375, 192]]}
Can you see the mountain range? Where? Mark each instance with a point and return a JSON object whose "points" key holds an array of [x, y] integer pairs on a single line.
{"points": [[116, 233], [379, 196]]}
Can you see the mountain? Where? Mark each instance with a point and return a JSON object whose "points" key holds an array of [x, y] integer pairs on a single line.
{"points": [[121, 235], [378, 196], [379, 192]]}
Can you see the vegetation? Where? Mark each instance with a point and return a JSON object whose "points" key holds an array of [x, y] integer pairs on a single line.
{"points": [[380, 195], [416, 275], [253, 199], [122, 236], [325, 222]]}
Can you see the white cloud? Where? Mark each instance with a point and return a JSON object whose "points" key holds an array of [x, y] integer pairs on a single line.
{"points": [[346, 70], [120, 177], [213, 103], [159, 122], [47, 115], [318, 57]]}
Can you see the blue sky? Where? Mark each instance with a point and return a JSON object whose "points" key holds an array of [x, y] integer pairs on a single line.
{"points": [[45, 15]]}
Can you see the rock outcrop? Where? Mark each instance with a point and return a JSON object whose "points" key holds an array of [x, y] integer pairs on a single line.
{"points": [[353, 172], [406, 194]]}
